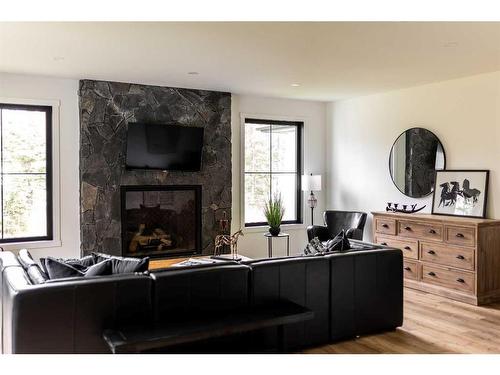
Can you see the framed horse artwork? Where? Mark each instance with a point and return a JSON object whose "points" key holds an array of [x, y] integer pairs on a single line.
{"points": [[460, 193]]}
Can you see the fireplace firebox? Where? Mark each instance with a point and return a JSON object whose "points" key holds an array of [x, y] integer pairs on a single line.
{"points": [[161, 221]]}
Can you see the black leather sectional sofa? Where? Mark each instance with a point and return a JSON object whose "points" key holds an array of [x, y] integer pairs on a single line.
{"points": [[351, 293]]}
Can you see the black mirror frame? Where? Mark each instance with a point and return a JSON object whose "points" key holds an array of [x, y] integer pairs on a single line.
{"points": [[389, 161]]}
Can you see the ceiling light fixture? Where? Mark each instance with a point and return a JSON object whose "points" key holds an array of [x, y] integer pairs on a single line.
{"points": [[295, 84], [193, 73]]}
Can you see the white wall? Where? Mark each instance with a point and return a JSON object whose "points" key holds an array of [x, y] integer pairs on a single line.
{"points": [[64, 91], [253, 244], [463, 113]]}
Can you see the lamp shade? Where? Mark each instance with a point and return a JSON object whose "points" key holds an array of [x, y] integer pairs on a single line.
{"points": [[311, 182]]}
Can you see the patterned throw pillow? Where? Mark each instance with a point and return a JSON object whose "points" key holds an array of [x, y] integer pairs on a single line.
{"points": [[314, 247], [339, 243]]}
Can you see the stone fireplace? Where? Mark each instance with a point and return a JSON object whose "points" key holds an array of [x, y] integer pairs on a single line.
{"points": [[160, 221], [105, 110]]}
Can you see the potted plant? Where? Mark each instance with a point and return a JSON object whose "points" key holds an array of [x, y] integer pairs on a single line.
{"points": [[274, 211]]}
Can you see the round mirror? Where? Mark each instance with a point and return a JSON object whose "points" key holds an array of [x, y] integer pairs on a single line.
{"points": [[415, 155]]}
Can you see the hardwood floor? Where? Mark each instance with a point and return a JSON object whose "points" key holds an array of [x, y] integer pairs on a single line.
{"points": [[432, 324]]}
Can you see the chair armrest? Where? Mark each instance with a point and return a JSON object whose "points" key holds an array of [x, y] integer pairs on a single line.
{"points": [[355, 234], [319, 231]]}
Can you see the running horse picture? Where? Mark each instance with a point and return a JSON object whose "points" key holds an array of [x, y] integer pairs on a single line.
{"points": [[448, 197], [461, 193]]}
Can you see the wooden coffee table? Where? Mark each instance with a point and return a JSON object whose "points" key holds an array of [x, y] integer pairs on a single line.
{"points": [[155, 264]]}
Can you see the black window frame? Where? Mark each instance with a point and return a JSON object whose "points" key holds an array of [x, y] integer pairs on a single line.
{"points": [[299, 167], [48, 172]]}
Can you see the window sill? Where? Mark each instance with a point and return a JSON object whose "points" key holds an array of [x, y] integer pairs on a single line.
{"points": [[284, 228], [30, 245]]}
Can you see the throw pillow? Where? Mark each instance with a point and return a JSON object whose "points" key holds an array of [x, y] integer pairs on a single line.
{"points": [[314, 247], [123, 265], [339, 243], [35, 273], [100, 269], [80, 264], [57, 269], [42, 264], [24, 257]]}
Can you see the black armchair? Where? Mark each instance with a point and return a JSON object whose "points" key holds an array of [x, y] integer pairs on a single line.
{"points": [[351, 221]]}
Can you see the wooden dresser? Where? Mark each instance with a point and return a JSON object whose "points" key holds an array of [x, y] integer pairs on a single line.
{"points": [[458, 258]]}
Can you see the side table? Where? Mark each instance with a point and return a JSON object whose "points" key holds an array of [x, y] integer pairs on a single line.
{"points": [[270, 237]]}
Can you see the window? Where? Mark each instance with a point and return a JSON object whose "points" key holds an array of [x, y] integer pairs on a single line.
{"points": [[273, 164], [25, 173]]}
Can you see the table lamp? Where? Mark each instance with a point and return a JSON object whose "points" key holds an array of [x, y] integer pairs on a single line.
{"points": [[311, 183]]}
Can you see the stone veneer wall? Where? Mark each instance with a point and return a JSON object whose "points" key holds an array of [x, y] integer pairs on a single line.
{"points": [[105, 110]]}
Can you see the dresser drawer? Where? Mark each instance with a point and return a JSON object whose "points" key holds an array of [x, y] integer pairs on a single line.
{"points": [[409, 247], [386, 226], [459, 280], [447, 255], [465, 236], [410, 270], [423, 231]]}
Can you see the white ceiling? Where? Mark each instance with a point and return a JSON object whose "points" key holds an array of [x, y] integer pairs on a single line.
{"points": [[330, 60]]}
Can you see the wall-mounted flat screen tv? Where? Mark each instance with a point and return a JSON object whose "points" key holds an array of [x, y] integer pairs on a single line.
{"points": [[166, 147]]}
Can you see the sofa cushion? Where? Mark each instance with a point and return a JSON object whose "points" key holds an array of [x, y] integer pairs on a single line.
{"points": [[35, 273], [8, 259], [183, 291], [366, 291], [123, 265], [302, 280]]}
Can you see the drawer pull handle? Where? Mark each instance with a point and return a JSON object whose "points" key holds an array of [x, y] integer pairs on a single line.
{"points": [[385, 226], [459, 235], [407, 268], [432, 231], [407, 228], [460, 257], [461, 280], [432, 252], [431, 274], [407, 248], [384, 243]]}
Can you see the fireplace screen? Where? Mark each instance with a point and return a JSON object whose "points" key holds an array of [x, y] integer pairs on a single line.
{"points": [[161, 220]]}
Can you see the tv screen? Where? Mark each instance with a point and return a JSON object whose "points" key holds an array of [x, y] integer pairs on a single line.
{"points": [[165, 147]]}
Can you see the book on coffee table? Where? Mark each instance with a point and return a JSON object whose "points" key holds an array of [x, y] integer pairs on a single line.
{"points": [[229, 257], [209, 260]]}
